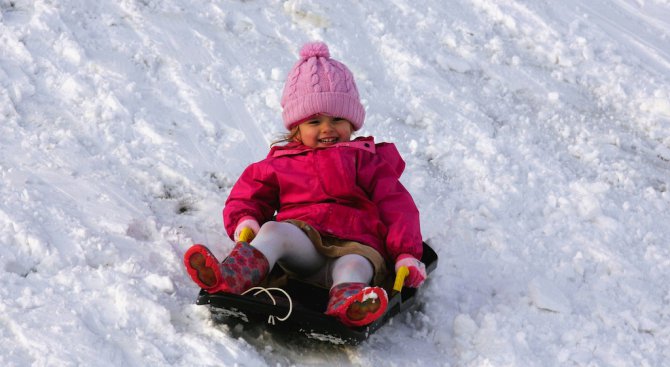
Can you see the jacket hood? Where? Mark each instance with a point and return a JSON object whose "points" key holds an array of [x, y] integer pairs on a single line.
{"points": [[386, 151], [365, 142]]}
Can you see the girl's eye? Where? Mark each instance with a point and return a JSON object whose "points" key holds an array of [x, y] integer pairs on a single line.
{"points": [[338, 119], [313, 122]]}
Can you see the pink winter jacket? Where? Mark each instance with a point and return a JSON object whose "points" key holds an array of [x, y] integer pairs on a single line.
{"points": [[350, 191]]}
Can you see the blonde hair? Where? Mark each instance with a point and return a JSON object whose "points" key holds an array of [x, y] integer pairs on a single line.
{"points": [[295, 131], [287, 137]]}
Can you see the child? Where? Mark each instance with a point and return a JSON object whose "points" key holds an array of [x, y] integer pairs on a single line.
{"points": [[340, 213]]}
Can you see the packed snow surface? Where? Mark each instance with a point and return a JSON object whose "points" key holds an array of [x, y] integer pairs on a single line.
{"points": [[537, 141]]}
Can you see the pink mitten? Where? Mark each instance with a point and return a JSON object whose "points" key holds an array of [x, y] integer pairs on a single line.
{"points": [[246, 222], [417, 270]]}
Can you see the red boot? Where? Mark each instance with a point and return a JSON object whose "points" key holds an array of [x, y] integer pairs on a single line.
{"points": [[245, 267], [356, 304]]}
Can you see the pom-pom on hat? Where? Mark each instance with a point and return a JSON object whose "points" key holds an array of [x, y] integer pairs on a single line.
{"points": [[318, 84]]}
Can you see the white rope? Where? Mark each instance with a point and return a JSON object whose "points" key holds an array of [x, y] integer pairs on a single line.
{"points": [[271, 318]]}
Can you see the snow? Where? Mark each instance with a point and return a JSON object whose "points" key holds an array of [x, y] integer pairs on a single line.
{"points": [[537, 141]]}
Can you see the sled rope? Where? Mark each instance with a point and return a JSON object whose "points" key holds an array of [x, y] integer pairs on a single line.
{"points": [[271, 318]]}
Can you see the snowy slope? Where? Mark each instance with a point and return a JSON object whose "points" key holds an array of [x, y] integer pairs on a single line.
{"points": [[537, 138]]}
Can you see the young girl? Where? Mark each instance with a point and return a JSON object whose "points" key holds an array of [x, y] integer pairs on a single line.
{"points": [[324, 207]]}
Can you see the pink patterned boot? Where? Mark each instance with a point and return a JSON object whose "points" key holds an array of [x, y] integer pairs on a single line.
{"points": [[356, 304], [245, 267]]}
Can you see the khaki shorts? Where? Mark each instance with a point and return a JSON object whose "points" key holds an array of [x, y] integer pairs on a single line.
{"points": [[332, 247]]}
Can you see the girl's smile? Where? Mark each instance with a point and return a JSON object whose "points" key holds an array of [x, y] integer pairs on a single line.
{"points": [[323, 131]]}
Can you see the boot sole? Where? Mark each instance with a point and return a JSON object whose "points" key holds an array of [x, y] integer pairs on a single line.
{"points": [[357, 311], [365, 307], [201, 266], [204, 273]]}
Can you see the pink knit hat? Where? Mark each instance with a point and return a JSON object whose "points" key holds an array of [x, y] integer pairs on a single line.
{"points": [[318, 84]]}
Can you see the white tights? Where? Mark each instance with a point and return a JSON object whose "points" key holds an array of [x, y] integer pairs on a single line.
{"points": [[289, 246]]}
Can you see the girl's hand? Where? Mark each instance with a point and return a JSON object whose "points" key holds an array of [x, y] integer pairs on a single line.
{"points": [[417, 270], [246, 222]]}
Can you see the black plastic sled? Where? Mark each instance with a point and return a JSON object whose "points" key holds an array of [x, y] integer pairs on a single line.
{"points": [[298, 307]]}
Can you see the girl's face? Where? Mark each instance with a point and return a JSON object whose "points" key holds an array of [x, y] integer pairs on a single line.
{"points": [[323, 131]]}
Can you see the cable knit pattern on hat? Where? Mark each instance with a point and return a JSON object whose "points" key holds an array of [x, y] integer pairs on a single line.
{"points": [[318, 84]]}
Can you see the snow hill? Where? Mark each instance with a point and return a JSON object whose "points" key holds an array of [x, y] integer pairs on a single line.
{"points": [[537, 141]]}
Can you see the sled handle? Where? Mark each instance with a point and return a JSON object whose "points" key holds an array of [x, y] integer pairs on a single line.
{"points": [[246, 235], [400, 276]]}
